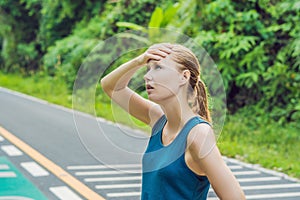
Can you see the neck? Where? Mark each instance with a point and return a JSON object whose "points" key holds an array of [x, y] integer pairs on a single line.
{"points": [[178, 112]]}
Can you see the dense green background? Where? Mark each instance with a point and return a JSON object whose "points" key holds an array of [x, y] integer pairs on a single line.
{"points": [[255, 44]]}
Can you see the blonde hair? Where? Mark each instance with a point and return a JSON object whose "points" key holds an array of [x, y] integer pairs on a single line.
{"points": [[197, 93]]}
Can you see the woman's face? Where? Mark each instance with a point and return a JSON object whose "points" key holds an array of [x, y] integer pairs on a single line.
{"points": [[163, 79]]}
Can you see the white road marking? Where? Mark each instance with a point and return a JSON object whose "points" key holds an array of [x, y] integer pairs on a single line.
{"points": [[263, 196], [118, 186], [235, 166], [4, 167], [270, 186], [8, 174], [87, 167], [110, 172], [261, 169], [1, 139], [273, 195], [245, 173], [14, 198], [124, 194], [64, 193], [259, 179], [129, 178], [11, 150], [274, 186], [34, 169]]}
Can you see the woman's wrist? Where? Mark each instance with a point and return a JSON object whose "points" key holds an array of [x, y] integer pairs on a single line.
{"points": [[138, 61]]}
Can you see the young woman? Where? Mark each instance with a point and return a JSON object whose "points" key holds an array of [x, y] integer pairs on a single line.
{"points": [[182, 159]]}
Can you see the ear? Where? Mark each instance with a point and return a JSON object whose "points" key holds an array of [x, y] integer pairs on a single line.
{"points": [[185, 76]]}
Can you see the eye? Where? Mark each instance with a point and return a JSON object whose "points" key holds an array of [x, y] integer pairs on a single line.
{"points": [[147, 69], [157, 67]]}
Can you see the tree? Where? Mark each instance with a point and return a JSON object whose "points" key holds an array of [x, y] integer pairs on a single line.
{"points": [[19, 21]]}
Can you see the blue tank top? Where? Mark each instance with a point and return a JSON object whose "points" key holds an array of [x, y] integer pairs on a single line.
{"points": [[165, 173]]}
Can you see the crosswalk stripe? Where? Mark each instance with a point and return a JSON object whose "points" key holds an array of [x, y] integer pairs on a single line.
{"points": [[8, 174], [274, 186], [241, 180], [123, 194], [267, 196], [11, 150], [258, 179], [34, 169], [235, 167], [15, 198], [117, 186], [251, 172], [86, 167], [64, 193], [129, 178], [274, 195], [111, 172], [271, 186], [4, 167]]}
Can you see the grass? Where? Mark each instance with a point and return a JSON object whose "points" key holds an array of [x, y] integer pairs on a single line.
{"points": [[243, 137], [48, 88], [270, 145]]}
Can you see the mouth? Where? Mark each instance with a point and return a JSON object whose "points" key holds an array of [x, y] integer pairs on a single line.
{"points": [[149, 87]]}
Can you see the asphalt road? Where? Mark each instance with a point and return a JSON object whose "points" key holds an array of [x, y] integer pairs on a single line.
{"points": [[103, 156]]}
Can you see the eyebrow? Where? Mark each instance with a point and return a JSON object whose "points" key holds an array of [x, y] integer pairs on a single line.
{"points": [[152, 62]]}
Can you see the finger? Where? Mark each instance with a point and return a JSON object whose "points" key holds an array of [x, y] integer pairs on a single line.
{"points": [[163, 53], [165, 47], [168, 45], [166, 50], [155, 57]]}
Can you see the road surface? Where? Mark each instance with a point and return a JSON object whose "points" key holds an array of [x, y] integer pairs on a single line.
{"points": [[50, 152]]}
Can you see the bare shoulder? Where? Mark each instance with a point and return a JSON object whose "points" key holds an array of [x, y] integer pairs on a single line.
{"points": [[201, 132], [155, 113], [201, 140]]}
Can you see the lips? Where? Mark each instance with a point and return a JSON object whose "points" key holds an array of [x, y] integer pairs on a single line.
{"points": [[149, 87]]}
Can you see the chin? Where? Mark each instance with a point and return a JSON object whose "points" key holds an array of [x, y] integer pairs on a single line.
{"points": [[153, 99], [158, 99]]}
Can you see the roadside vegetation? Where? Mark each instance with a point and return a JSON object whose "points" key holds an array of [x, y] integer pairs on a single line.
{"points": [[255, 45], [243, 137]]}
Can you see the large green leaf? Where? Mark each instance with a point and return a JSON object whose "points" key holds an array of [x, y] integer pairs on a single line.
{"points": [[131, 26], [156, 18]]}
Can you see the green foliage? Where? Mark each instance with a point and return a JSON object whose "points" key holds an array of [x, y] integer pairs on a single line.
{"points": [[245, 136], [66, 56], [18, 27], [255, 44], [39, 85], [60, 18]]}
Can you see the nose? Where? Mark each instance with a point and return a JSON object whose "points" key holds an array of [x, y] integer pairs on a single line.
{"points": [[147, 76]]}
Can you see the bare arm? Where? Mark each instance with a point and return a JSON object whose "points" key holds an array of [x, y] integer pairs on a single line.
{"points": [[115, 85], [203, 150]]}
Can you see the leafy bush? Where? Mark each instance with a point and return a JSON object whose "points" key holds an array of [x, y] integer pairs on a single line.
{"points": [[66, 56], [256, 49], [255, 44], [19, 22]]}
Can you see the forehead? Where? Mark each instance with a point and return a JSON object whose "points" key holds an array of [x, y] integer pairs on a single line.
{"points": [[167, 62]]}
